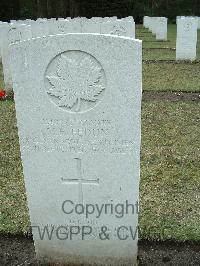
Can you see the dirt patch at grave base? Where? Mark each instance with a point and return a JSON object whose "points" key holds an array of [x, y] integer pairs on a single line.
{"points": [[159, 48], [168, 253], [19, 250], [171, 96], [167, 95], [155, 41], [168, 61]]}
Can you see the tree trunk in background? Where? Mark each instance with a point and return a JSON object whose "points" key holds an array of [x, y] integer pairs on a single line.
{"points": [[41, 8], [196, 7], [21, 9], [61, 5], [16, 9], [27, 9], [74, 7], [59, 8], [52, 9]]}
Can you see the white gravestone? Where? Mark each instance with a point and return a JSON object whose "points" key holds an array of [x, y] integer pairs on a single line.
{"points": [[161, 28], [69, 25], [186, 42], [92, 25], [29, 22], [179, 17], [80, 144], [150, 23], [130, 26], [145, 21], [40, 28], [121, 27], [64, 26], [52, 25], [3, 27], [74, 25], [153, 25], [13, 33], [198, 23]]}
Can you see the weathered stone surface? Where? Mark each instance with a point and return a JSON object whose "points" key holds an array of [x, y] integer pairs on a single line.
{"points": [[161, 28], [186, 41], [3, 25], [92, 25], [52, 25], [74, 25], [198, 23], [40, 28], [150, 23], [145, 21], [19, 33], [153, 25], [29, 22], [78, 104], [12, 33], [121, 27]]}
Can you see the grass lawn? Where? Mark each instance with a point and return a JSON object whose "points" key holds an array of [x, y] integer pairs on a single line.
{"points": [[159, 54], [146, 35], [170, 163], [149, 41], [165, 76], [171, 77], [169, 172], [13, 215]]}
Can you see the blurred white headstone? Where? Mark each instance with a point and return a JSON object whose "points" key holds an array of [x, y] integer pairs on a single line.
{"points": [[12, 33], [186, 42], [161, 28]]}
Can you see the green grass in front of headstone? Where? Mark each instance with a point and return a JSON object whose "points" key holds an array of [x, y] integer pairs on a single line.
{"points": [[171, 77], [14, 212], [159, 54], [170, 162], [156, 45], [149, 42]]}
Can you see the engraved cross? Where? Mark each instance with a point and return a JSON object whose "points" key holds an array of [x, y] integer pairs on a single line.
{"points": [[80, 181]]}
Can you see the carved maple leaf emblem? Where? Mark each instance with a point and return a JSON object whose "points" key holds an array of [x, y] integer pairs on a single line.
{"points": [[76, 80]]}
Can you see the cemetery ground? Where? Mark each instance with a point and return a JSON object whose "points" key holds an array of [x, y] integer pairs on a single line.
{"points": [[170, 163]]}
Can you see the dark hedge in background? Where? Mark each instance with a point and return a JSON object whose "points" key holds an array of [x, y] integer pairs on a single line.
{"points": [[20, 9]]}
